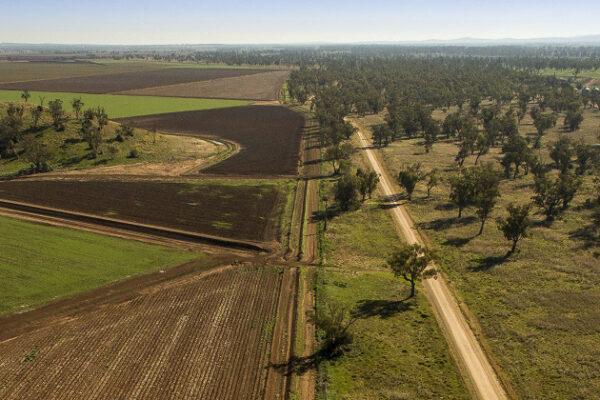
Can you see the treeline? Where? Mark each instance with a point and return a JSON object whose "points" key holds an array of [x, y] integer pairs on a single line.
{"points": [[533, 57]]}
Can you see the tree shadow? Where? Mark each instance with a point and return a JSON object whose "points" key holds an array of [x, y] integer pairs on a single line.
{"points": [[72, 160], [445, 207], [330, 213], [423, 200], [381, 308], [543, 223], [589, 236], [487, 263], [445, 223], [312, 162], [72, 141], [457, 241], [299, 365], [392, 198]]}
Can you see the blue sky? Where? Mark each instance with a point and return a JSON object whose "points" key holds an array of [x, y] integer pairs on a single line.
{"points": [[269, 21]]}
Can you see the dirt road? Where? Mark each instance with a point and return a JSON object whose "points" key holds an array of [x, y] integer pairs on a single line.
{"points": [[473, 362]]}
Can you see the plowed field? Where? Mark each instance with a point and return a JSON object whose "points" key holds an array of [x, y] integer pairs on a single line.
{"points": [[111, 83], [264, 86], [201, 335], [269, 136], [237, 210]]}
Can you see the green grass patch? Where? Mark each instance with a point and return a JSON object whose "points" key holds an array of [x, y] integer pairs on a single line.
{"points": [[40, 263], [121, 106], [398, 350]]}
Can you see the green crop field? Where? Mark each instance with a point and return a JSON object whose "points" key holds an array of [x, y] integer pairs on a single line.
{"points": [[40, 263], [121, 106]]}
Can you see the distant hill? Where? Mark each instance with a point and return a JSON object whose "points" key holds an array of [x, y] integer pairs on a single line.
{"points": [[587, 40]]}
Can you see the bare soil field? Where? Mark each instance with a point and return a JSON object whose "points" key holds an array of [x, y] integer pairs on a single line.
{"points": [[111, 83], [236, 210], [264, 86], [269, 136], [202, 334], [24, 70]]}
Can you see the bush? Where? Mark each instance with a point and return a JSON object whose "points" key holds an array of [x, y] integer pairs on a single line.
{"points": [[133, 153], [334, 324]]}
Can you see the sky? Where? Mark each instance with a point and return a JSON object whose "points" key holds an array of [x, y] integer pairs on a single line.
{"points": [[283, 21]]}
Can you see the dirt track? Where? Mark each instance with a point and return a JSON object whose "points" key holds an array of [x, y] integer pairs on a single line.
{"points": [[471, 357], [311, 171]]}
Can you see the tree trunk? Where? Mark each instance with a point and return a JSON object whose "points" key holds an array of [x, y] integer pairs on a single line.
{"points": [[481, 227], [514, 247], [412, 288], [460, 212]]}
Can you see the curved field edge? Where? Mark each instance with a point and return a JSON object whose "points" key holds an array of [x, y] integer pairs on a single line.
{"points": [[161, 154], [122, 106], [39, 263]]}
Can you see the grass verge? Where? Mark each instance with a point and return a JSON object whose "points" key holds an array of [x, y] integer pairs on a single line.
{"points": [[398, 350]]}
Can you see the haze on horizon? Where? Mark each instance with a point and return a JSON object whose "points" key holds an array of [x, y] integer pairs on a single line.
{"points": [[270, 21]]}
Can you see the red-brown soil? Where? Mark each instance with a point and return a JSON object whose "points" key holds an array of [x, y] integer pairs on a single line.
{"points": [[269, 136], [240, 211], [264, 86], [110, 83], [200, 334]]}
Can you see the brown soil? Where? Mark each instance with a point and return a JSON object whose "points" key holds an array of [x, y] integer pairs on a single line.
{"points": [[200, 207], [281, 348], [269, 136], [264, 86], [111, 83], [186, 333]]}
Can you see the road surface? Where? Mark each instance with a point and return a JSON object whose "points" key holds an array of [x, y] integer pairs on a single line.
{"points": [[473, 362]]}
